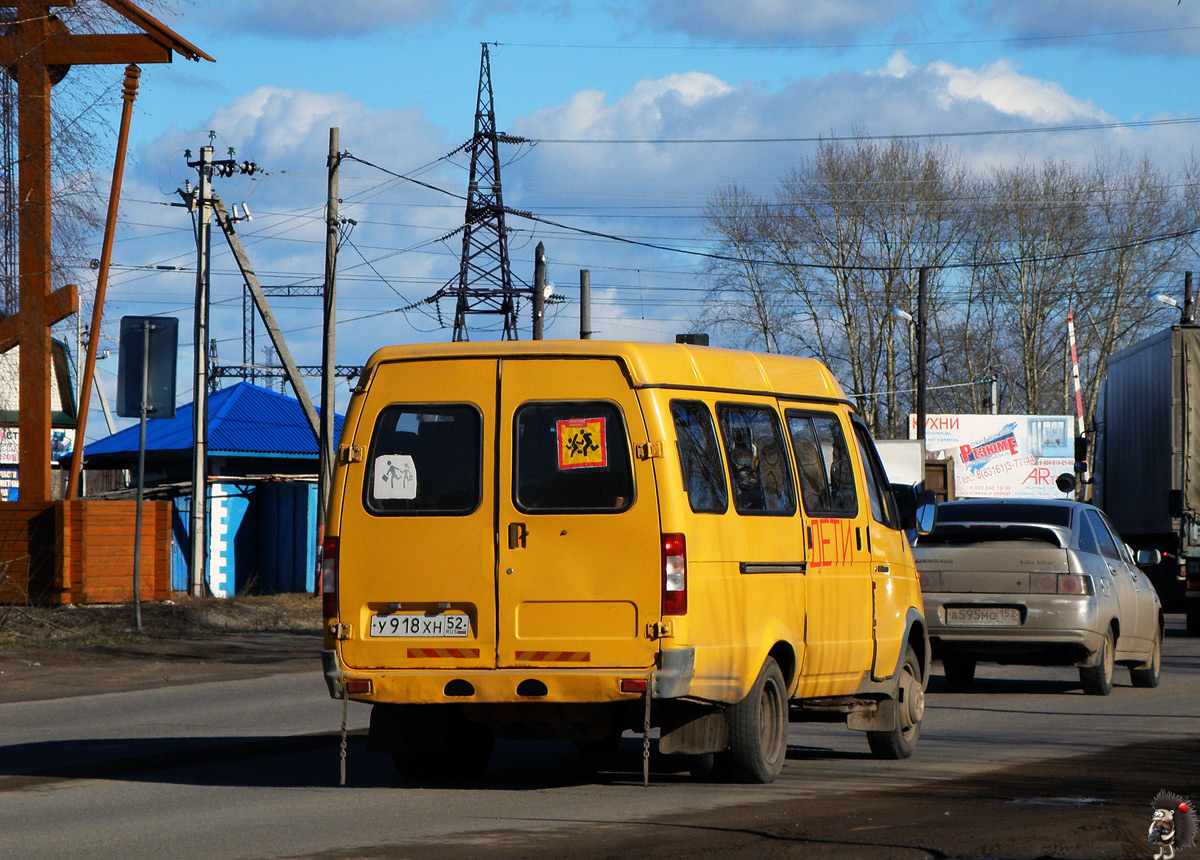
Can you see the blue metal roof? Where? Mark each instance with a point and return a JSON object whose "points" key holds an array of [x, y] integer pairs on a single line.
{"points": [[244, 420]]}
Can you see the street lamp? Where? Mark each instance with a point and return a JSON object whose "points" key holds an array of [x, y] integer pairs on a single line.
{"points": [[920, 324], [1165, 299], [1170, 302]]}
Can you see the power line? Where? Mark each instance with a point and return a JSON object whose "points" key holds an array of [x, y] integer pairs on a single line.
{"points": [[837, 138], [711, 255], [933, 43]]}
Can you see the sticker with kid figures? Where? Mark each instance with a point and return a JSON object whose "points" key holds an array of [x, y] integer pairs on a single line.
{"points": [[582, 443]]}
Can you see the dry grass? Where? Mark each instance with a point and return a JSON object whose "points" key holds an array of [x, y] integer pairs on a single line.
{"points": [[24, 627]]}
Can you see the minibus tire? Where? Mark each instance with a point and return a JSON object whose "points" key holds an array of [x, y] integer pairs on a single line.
{"points": [[901, 741], [709, 767], [758, 727], [465, 756]]}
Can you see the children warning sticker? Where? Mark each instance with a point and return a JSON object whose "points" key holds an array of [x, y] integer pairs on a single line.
{"points": [[582, 443], [395, 477]]}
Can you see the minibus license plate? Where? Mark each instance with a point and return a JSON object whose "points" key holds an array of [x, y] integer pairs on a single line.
{"points": [[419, 624], [984, 616]]}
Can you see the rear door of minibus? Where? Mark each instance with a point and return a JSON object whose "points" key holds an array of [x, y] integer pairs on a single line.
{"points": [[417, 557], [580, 548]]}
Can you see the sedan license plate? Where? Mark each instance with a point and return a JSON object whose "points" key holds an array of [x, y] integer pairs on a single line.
{"points": [[419, 624], [984, 616]]}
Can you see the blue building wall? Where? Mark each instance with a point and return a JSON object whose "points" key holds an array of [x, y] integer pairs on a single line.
{"points": [[262, 539]]}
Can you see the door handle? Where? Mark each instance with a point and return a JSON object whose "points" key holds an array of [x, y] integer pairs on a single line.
{"points": [[883, 568], [516, 535]]}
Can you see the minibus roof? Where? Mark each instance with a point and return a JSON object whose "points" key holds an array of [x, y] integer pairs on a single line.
{"points": [[653, 365]]}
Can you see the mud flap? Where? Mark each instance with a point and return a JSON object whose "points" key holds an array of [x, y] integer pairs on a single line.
{"points": [[881, 718], [692, 730]]}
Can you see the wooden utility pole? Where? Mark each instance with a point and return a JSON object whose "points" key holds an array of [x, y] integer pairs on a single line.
{"points": [[39, 51], [326, 442], [198, 516], [922, 336], [539, 291], [585, 304]]}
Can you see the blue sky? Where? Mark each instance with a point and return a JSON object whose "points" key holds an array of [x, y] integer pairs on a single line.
{"points": [[399, 78]]}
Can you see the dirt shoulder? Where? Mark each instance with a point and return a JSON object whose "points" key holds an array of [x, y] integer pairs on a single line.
{"points": [[82, 650]]}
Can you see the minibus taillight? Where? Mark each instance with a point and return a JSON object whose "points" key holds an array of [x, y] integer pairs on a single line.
{"points": [[674, 555], [329, 575]]}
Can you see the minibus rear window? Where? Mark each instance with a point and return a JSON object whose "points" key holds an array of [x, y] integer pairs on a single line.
{"points": [[425, 460], [571, 458]]}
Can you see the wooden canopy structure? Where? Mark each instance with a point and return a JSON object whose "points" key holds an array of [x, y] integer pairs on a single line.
{"points": [[37, 51]]}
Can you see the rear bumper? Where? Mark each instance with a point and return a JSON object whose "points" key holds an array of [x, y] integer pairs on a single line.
{"points": [[1054, 629], [671, 679]]}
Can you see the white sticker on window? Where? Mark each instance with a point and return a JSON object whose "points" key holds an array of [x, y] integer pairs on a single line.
{"points": [[395, 477]]}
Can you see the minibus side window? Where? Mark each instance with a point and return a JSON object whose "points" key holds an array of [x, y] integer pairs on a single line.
{"points": [[758, 460], [699, 457], [883, 507], [424, 459], [571, 458], [826, 470]]}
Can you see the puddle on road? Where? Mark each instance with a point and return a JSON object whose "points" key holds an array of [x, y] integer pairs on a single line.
{"points": [[1071, 800]]}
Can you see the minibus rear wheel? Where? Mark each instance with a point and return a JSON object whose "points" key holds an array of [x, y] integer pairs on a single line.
{"points": [[463, 757], [758, 727]]}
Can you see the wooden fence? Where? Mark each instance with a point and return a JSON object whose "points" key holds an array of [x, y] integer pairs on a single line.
{"points": [[53, 553]]}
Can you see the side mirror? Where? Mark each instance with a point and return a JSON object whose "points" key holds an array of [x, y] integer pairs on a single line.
{"points": [[926, 512], [917, 508], [906, 504], [1148, 557], [1065, 482]]}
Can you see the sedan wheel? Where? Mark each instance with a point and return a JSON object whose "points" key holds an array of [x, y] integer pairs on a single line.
{"points": [[1097, 680], [959, 672]]}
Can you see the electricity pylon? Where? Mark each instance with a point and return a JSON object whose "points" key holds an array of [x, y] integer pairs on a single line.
{"points": [[485, 284]]}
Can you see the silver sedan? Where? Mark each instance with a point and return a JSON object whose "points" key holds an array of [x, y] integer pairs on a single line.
{"points": [[1038, 582]]}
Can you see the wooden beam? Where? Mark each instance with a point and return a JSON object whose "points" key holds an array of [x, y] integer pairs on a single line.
{"points": [[157, 30], [33, 249], [67, 50], [10, 333], [61, 303]]}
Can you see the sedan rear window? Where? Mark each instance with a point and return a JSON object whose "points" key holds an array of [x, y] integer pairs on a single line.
{"points": [[1004, 512]]}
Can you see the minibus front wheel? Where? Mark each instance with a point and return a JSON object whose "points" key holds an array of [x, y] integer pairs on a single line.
{"points": [[901, 741]]}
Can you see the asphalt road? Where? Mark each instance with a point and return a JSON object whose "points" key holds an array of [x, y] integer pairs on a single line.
{"points": [[1021, 765]]}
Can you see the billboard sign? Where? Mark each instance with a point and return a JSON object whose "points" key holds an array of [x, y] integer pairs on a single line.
{"points": [[1002, 455]]}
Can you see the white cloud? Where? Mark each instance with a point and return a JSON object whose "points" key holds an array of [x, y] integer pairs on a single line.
{"points": [[1156, 27], [319, 20], [775, 21], [998, 85]]}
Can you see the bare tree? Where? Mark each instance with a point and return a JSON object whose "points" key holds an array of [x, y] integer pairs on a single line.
{"points": [[1133, 203], [822, 268], [744, 303]]}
